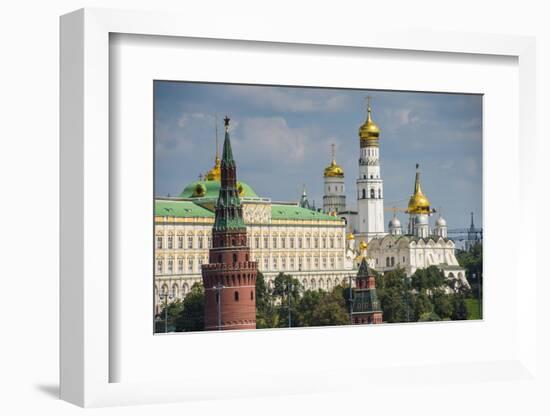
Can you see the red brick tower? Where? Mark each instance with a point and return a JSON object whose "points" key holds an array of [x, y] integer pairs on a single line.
{"points": [[230, 277], [366, 306]]}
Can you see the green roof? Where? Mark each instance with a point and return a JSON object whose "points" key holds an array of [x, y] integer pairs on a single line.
{"points": [[181, 209], [211, 189], [176, 208], [294, 212]]}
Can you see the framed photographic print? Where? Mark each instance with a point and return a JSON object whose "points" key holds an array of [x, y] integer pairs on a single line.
{"points": [[280, 214]]}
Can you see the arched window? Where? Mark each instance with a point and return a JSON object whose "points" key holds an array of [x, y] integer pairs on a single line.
{"points": [[380, 193], [393, 261], [251, 295], [236, 296], [372, 193], [372, 177], [234, 258], [364, 194], [387, 262]]}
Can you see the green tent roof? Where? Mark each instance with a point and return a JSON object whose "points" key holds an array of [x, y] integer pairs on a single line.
{"points": [[293, 212], [211, 189], [181, 209]]}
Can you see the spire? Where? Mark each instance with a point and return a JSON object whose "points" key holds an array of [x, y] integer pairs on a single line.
{"points": [[418, 203], [363, 269], [214, 174], [229, 211], [417, 187], [227, 155], [369, 109]]}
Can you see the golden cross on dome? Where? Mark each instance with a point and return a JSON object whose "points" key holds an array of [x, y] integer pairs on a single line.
{"points": [[333, 152]]}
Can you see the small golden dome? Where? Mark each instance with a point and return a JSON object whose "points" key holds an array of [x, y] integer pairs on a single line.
{"points": [[214, 174], [369, 131], [363, 245], [418, 203], [334, 170], [350, 236]]}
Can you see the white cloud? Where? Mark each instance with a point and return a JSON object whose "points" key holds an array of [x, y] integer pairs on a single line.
{"points": [[447, 164], [186, 118], [292, 100], [273, 139]]}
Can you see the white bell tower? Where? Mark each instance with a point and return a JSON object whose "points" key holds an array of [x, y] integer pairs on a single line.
{"points": [[370, 186]]}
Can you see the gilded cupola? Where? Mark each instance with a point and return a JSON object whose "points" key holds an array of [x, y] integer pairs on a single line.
{"points": [[333, 170], [369, 132], [215, 174], [418, 203]]}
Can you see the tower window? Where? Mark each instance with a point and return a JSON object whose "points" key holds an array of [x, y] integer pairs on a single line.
{"points": [[372, 177], [364, 194], [372, 193], [234, 258], [380, 193], [251, 295], [236, 296]]}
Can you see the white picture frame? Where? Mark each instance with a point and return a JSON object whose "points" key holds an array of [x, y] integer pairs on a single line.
{"points": [[86, 352]]}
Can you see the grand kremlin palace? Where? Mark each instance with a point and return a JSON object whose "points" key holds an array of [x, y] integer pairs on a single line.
{"points": [[288, 237]]}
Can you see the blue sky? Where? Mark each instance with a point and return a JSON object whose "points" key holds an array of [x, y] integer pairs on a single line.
{"points": [[281, 139]]}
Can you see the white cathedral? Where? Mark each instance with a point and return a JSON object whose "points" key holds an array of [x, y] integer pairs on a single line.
{"points": [[421, 246]]}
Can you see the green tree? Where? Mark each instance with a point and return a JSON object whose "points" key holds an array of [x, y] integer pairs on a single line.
{"points": [[309, 302], [331, 310], [191, 317], [429, 316], [422, 305], [460, 310], [171, 311], [442, 304], [392, 291], [266, 312], [286, 293], [428, 279], [472, 261]]}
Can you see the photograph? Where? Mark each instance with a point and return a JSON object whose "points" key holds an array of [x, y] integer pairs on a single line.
{"points": [[298, 206]]}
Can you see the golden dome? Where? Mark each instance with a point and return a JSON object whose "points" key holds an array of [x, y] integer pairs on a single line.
{"points": [[333, 170], [363, 245], [214, 174], [418, 203], [369, 131], [350, 236]]}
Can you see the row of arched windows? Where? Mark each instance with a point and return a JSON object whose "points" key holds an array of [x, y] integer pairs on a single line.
{"points": [[372, 194]]}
